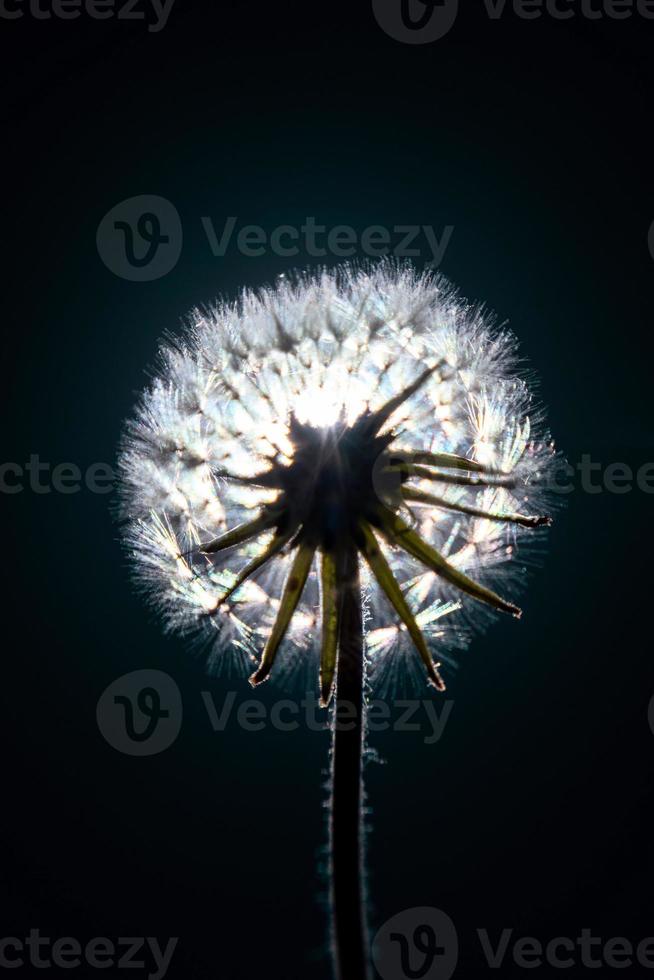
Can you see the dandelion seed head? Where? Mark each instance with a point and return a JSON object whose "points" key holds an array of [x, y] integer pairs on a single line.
{"points": [[264, 407]]}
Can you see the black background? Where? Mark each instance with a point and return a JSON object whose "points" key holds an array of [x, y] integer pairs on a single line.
{"points": [[531, 138]]}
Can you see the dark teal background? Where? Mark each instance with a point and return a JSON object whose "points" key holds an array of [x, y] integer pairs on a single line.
{"points": [[531, 138]]}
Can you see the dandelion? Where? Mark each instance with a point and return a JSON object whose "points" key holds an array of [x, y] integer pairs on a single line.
{"points": [[361, 430]]}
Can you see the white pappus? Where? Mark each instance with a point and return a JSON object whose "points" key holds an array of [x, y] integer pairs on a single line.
{"points": [[364, 405]]}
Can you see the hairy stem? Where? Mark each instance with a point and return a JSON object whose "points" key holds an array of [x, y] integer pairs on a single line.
{"points": [[350, 933]]}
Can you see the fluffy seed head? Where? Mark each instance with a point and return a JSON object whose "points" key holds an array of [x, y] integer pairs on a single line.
{"points": [[370, 406]]}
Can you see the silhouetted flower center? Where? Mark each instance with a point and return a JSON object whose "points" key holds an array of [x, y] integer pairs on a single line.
{"points": [[332, 483]]}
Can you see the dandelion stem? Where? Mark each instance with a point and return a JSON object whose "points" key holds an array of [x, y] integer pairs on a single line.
{"points": [[349, 927]]}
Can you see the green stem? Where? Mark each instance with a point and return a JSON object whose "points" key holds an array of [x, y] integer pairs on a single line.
{"points": [[350, 933]]}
